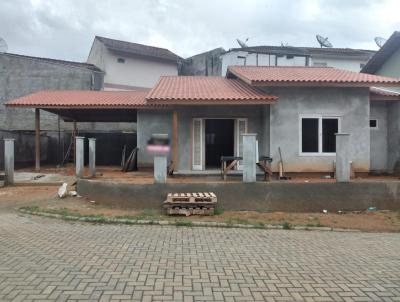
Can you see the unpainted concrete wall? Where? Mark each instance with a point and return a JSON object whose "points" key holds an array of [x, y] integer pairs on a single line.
{"points": [[205, 64], [379, 137], [20, 76], [277, 125], [394, 137], [160, 121], [290, 197], [351, 104]]}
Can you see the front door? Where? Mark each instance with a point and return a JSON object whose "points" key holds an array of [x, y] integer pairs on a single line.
{"points": [[212, 138]]}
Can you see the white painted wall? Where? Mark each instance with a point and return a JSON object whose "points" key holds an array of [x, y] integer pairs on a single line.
{"points": [[341, 63], [244, 58], [136, 71]]}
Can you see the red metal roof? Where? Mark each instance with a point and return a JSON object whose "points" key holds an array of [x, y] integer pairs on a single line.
{"points": [[203, 90], [307, 76], [82, 99]]}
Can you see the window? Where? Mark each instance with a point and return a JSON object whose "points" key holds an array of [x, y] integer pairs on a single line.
{"points": [[362, 65], [121, 60], [317, 135], [373, 124], [320, 64]]}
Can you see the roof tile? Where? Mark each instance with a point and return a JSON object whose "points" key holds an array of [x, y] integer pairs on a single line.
{"points": [[82, 99], [206, 90], [306, 75]]}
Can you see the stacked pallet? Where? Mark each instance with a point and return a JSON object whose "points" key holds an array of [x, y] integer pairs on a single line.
{"points": [[190, 203]]}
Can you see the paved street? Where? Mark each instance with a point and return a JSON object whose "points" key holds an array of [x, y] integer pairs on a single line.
{"points": [[44, 259]]}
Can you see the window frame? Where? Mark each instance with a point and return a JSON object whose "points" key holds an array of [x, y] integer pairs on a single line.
{"points": [[320, 117], [377, 124]]}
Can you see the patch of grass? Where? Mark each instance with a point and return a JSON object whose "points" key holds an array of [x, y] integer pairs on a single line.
{"points": [[218, 210], [311, 225], [232, 221], [145, 214], [182, 222], [259, 225], [286, 225]]}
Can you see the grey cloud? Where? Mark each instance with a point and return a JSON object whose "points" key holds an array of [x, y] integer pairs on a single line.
{"points": [[65, 28]]}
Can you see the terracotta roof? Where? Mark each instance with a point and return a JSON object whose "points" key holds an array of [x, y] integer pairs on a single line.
{"points": [[81, 99], [139, 49], [206, 90], [307, 76]]}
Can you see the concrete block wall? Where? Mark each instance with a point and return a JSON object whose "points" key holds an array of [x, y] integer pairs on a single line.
{"points": [[350, 104]]}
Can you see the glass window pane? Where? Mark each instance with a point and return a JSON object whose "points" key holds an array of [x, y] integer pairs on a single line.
{"points": [[330, 126], [309, 127]]}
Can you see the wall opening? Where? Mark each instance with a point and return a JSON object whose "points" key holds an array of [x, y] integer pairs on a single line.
{"points": [[219, 140]]}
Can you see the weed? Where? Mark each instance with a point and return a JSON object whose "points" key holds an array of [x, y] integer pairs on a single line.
{"points": [[182, 222], [259, 225], [218, 210], [286, 225]]}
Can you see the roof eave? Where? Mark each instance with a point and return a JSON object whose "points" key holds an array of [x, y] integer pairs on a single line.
{"points": [[317, 84]]}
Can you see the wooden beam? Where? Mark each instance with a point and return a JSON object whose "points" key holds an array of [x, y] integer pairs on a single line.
{"points": [[175, 139], [37, 139], [73, 137]]}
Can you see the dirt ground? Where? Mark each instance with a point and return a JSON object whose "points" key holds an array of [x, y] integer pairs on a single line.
{"points": [[45, 197], [145, 176]]}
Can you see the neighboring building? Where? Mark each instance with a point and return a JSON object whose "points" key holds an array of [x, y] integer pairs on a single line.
{"points": [[21, 75], [343, 58], [385, 106], [296, 109], [206, 63], [131, 66]]}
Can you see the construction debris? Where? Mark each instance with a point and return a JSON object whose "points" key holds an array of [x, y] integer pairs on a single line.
{"points": [[190, 203], [62, 191]]}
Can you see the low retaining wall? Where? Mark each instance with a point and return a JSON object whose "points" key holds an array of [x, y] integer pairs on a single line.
{"points": [[290, 197]]}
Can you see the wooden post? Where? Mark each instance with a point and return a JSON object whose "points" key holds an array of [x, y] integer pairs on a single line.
{"points": [[37, 139], [74, 141], [175, 139]]}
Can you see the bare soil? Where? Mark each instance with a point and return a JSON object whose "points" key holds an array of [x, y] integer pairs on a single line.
{"points": [[45, 197]]}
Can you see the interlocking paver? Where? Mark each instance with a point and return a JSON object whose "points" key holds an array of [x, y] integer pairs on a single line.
{"points": [[46, 259]]}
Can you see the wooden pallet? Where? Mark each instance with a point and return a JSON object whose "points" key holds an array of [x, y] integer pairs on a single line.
{"points": [[190, 203]]}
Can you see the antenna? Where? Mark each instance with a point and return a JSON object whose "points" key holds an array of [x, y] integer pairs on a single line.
{"points": [[380, 41], [323, 42], [241, 43], [3, 45]]}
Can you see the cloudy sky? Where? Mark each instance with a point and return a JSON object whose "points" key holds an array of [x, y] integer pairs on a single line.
{"points": [[65, 29]]}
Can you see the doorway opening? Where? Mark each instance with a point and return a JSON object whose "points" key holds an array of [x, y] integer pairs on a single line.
{"points": [[219, 141]]}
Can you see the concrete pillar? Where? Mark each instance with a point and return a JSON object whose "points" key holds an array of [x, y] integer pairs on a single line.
{"points": [[37, 140], [342, 157], [79, 156], [92, 157], [9, 160], [249, 157], [160, 168]]}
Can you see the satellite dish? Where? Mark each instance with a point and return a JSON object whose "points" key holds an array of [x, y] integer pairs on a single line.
{"points": [[241, 43], [3, 46], [380, 41], [323, 42]]}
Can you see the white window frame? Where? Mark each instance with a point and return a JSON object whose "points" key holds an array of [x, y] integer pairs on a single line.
{"points": [[377, 124], [320, 117]]}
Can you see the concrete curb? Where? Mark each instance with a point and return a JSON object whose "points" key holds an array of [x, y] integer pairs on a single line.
{"points": [[106, 220]]}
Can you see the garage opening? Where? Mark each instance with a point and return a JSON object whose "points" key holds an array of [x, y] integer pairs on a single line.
{"points": [[219, 141]]}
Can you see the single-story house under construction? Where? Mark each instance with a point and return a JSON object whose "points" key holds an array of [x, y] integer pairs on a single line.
{"points": [[295, 109]]}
